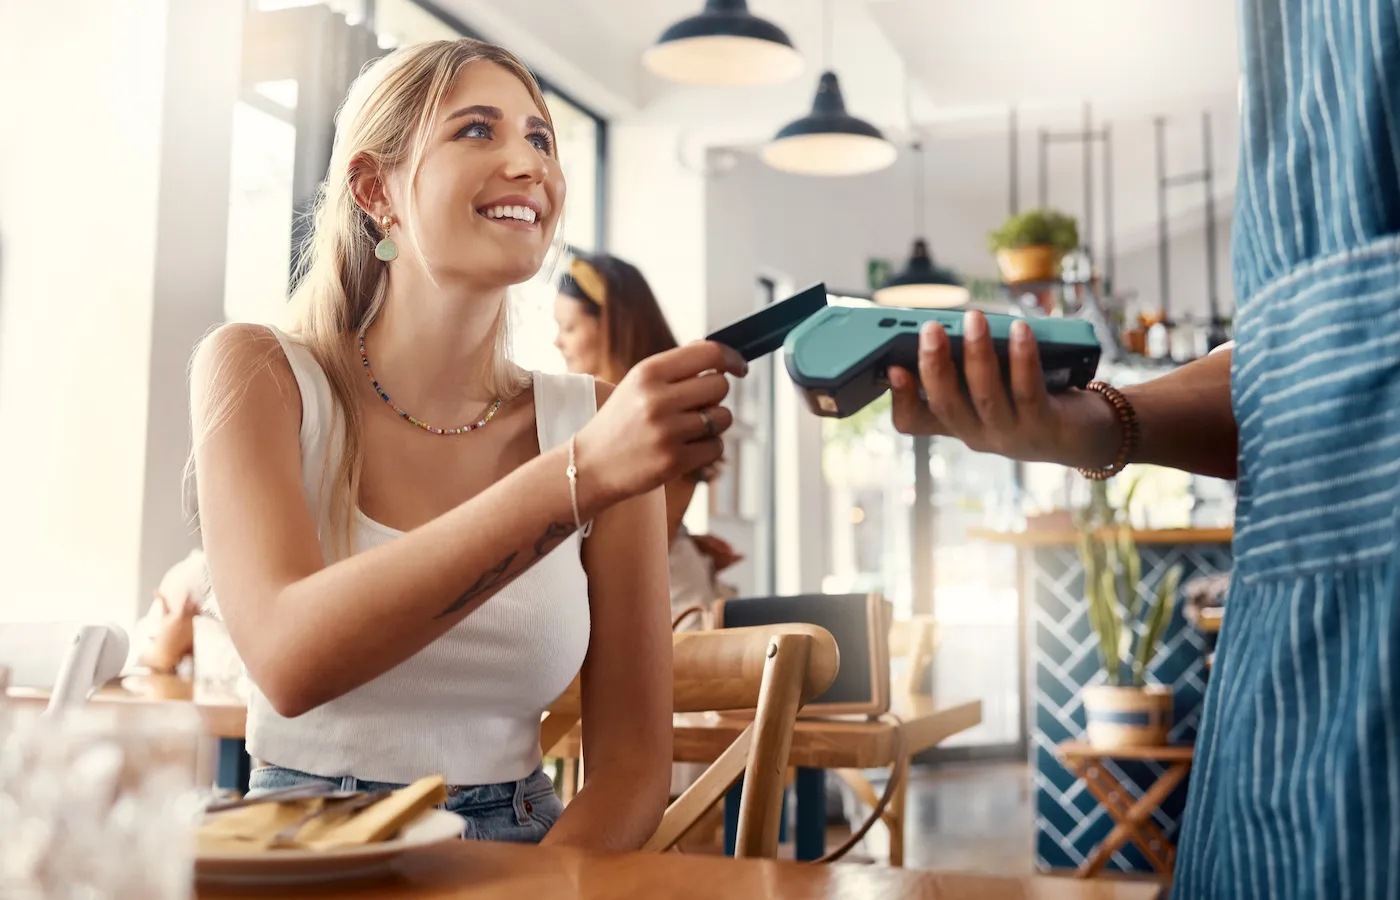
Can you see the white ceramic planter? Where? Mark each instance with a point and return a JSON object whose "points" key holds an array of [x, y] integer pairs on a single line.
{"points": [[1128, 716]]}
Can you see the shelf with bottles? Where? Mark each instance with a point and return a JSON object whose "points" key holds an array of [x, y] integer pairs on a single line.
{"points": [[1142, 341]]}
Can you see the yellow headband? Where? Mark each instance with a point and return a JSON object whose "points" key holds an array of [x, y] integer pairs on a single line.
{"points": [[588, 280]]}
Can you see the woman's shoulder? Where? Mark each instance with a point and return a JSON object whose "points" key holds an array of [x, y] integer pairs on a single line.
{"points": [[242, 363], [240, 353], [247, 345]]}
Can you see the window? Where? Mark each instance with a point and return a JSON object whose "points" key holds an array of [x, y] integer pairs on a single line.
{"points": [[577, 133], [400, 22], [258, 258], [532, 323], [872, 502], [868, 469], [976, 597], [352, 10]]}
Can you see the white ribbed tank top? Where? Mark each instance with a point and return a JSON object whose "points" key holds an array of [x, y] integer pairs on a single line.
{"points": [[468, 705]]}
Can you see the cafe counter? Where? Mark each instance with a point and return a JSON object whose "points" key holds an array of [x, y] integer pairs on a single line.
{"points": [[1064, 658]]}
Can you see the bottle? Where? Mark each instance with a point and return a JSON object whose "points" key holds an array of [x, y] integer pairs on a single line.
{"points": [[1183, 341], [1158, 341]]}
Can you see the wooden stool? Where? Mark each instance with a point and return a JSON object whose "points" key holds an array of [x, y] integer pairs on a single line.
{"points": [[1133, 819]]}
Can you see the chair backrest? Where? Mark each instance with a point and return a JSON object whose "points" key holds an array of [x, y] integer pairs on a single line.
{"points": [[771, 669], [860, 623], [67, 658]]}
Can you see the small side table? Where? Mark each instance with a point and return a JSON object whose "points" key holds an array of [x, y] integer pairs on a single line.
{"points": [[1132, 819]]}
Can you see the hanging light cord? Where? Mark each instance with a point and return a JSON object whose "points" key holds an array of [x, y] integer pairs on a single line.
{"points": [[917, 145], [826, 35], [920, 209]]}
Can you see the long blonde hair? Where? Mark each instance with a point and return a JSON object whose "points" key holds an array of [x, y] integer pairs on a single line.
{"points": [[385, 122]]}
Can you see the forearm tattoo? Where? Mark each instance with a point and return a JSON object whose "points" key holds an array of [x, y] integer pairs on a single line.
{"points": [[502, 574]]}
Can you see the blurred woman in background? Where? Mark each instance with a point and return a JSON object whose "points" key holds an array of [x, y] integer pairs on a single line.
{"points": [[609, 321]]}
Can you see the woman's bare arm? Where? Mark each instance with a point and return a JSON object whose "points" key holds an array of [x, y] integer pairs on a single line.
{"points": [[309, 632], [679, 492], [627, 678]]}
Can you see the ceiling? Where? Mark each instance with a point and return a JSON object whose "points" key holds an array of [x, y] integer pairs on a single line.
{"points": [[950, 68], [959, 54], [1031, 53]]}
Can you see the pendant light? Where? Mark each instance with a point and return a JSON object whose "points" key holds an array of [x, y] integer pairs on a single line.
{"points": [[829, 140], [724, 45], [922, 284]]}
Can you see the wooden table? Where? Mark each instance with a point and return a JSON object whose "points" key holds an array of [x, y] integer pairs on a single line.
{"points": [[818, 744], [472, 870], [225, 718], [1132, 819]]}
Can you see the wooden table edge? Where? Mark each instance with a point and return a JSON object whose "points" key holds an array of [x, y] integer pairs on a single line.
{"points": [[694, 742]]}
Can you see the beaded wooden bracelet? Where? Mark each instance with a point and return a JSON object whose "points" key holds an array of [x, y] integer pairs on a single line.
{"points": [[1128, 430]]}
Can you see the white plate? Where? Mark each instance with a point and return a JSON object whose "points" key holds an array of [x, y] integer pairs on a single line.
{"points": [[271, 867]]}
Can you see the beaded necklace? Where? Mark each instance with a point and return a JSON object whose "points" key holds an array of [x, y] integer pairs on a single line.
{"points": [[461, 429]]}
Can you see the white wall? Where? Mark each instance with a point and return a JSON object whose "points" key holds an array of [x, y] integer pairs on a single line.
{"points": [[824, 229], [656, 220], [75, 297], [1140, 269], [203, 60], [85, 283]]}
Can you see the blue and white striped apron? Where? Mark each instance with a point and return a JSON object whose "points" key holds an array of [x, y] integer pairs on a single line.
{"points": [[1296, 787]]}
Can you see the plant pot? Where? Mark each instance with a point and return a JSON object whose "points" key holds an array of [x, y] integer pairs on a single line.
{"points": [[1128, 716], [1038, 262]]}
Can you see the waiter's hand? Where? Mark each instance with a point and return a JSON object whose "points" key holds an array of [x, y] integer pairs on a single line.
{"points": [[1077, 428]]}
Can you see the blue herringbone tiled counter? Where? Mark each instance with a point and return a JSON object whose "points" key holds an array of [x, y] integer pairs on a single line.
{"points": [[1064, 658]]}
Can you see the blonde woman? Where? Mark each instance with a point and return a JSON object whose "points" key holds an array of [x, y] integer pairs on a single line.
{"points": [[416, 546]]}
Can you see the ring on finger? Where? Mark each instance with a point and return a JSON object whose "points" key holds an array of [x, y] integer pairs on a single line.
{"points": [[709, 423]]}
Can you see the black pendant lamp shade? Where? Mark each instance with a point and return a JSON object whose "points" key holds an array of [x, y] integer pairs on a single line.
{"points": [[724, 45], [922, 284], [829, 140]]}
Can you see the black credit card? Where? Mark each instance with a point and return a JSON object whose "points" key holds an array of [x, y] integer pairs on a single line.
{"points": [[764, 331]]}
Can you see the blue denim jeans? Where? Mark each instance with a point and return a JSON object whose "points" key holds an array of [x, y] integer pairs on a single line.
{"points": [[521, 811]]}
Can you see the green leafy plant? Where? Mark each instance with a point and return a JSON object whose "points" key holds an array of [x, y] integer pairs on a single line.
{"points": [[986, 290], [1036, 227], [1128, 630]]}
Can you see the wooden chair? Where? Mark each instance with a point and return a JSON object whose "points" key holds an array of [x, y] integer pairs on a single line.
{"points": [[71, 660], [914, 642], [770, 670]]}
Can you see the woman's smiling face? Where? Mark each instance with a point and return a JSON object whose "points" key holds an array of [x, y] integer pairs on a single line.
{"points": [[489, 192]]}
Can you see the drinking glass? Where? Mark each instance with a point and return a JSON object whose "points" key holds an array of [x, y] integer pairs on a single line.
{"points": [[218, 670], [99, 801]]}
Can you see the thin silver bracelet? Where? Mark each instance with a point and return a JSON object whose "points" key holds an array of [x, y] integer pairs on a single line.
{"points": [[584, 529]]}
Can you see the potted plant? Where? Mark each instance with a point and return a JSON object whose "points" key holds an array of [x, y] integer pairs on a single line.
{"points": [[1029, 246], [1126, 711]]}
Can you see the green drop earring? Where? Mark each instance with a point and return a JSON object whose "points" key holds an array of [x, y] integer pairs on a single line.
{"points": [[386, 250]]}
